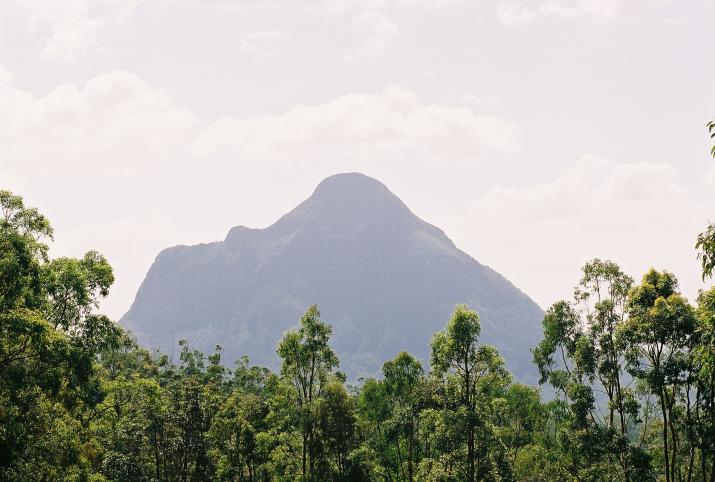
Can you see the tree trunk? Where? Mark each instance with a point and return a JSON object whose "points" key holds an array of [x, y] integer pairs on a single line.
{"points": [[305, 447], [399, 457], [622, 415], [311, 452], [674, 444], [691, 435], [666, 452], [470, 455], [409, 458]]}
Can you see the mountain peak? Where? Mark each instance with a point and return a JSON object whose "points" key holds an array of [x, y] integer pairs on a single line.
{"points": [[348, 201], [385, 279], [354, 189], [349, 183]]}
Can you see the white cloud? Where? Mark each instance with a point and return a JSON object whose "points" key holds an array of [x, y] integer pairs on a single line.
{"points": [[605, 9], [72, 37], [342, 6], [262, 43], [514, 12], [5, 75], [392, 124], [70, 28], [377, 32], [110, 127], [592, 184], [79, 153], [637, 214], [118, 124]]}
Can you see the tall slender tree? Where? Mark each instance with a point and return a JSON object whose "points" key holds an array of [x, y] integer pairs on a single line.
{"points": [[581, 355], [659, 334], [401, 378], [308, 363], [476, 370]]}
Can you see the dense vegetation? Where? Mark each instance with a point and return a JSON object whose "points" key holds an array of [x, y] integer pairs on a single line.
{"points": [[630, 369]]}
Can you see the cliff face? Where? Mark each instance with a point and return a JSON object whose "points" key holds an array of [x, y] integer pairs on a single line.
{"points": [[385, 280]]}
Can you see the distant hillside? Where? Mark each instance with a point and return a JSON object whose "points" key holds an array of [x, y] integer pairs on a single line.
{"points": [[385, 280]]}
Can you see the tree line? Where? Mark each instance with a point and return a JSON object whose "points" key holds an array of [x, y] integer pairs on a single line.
{"points": [[629, 369]]}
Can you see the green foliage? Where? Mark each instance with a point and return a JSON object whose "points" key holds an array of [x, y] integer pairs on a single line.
{"points": [[49, 335], [705, 349], [308, 363], [474, 376], [583, 357], [661, 337], [632, 369], [705, 245]]}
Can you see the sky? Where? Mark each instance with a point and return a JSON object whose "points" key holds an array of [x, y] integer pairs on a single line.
{"points": [[538, 134]]}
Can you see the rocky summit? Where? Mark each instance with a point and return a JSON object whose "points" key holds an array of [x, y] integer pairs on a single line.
{"points": [[382, 277]]}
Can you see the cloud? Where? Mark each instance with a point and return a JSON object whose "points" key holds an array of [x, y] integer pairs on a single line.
{"points": [[70, 28], [5, 75], [71, 38], [515, 12], [377, 32], [392, 124], [598, 186], [117, 126], [636, 213], [262, 43], [110, 127], [342, 6]]}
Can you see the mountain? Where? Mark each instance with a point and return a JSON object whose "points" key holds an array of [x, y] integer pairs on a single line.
{"points": [[385, 280]]}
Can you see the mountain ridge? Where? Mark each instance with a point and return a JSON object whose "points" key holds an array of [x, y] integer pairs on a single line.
{"points": [[385, 279]]}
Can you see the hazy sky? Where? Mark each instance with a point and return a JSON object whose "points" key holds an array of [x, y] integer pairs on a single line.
{"points": [[536, 133]]}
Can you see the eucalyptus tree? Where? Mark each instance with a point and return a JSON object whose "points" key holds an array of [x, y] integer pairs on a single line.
{"points": [[336, 420], [565, 359], [50, 333], [374, 411], [308, 364], [475, 375], [582, 356], [704, 356], [521, 419], [602, 294], [660, 334], [402, 375], [235, 434]]}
